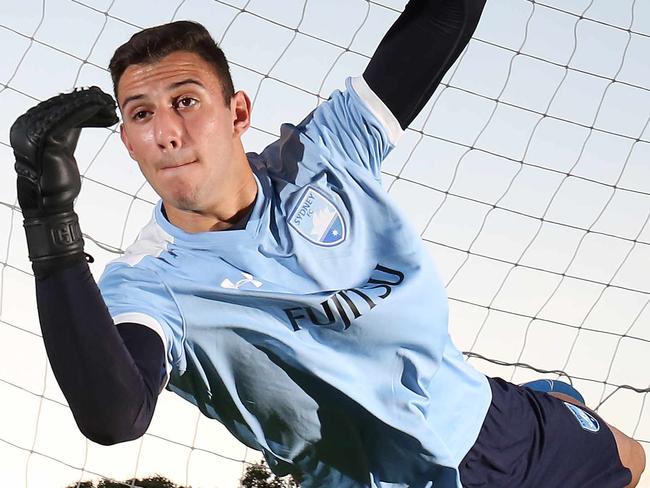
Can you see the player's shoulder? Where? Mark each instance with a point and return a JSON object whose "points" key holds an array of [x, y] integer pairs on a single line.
{"points": [[350, 134], [347, 108], [358, 105], [152, 240], [131, 266]]}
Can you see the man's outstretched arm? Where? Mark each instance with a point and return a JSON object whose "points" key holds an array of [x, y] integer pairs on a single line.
{"points": [[111, 376], [418, 50]]}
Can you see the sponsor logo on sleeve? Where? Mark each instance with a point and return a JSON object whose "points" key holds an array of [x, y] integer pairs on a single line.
{"points": [[317, 219], [585, 419]]}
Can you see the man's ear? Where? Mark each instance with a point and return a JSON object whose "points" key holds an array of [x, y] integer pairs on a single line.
{"points": [[240, 107], [125, 141]]}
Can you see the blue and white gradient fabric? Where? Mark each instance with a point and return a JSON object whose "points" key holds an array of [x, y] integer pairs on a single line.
{"points": [[318, 333]]}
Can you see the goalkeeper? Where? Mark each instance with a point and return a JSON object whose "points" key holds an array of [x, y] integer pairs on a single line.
{"points": [[283, 293]]}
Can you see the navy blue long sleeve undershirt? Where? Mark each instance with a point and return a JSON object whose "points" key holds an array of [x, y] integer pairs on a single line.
{"points": [[418, 50], [111, 375]]}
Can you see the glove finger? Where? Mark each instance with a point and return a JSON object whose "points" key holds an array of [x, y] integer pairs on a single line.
{"points": [[105, 116], [89, 107], [67, 103]]}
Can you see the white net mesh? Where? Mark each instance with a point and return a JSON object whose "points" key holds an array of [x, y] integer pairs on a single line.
{"points": [[527, 175]]}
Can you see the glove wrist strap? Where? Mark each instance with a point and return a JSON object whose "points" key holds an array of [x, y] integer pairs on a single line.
{"points": [[53, 236]]}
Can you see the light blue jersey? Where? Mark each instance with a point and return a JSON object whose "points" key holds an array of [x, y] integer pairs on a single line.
{"points": [[317, 334]]}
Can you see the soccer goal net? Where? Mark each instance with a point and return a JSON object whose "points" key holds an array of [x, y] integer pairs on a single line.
{"points": [[527, 176]]}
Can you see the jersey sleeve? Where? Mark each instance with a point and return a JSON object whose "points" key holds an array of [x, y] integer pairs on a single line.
{"points": [[352, 127], [136, 295]]}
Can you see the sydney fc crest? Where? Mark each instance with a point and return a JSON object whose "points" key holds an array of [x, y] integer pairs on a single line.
{"points": [[317, 219]]}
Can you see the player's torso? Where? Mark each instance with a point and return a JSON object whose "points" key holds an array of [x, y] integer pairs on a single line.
{"points": [[325, 304], [327, 289]]}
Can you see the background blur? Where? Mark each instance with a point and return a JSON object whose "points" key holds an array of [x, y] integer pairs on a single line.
{"points": [[528, 176]]}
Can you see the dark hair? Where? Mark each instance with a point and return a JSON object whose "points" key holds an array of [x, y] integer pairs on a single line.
{"points": [[153, 44]]}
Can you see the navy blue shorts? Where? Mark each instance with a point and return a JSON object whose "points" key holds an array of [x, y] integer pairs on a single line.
{"points": [[532, 440]]}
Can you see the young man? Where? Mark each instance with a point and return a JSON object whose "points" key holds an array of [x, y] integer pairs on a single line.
{"points": [[282, 293]]}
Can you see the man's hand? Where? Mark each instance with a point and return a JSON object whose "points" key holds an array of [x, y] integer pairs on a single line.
{"points": [[44, 140]]}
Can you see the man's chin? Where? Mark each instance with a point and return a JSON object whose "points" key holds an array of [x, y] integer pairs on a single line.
{"points": [[185, 203]]}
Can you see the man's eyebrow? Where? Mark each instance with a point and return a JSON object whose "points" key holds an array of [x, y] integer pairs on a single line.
{"points": [[132, 98], [187, 81], [176, 84]]}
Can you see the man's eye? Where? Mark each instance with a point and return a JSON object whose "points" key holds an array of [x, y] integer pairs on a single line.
{"points": [[139, 115], [185, 102]]}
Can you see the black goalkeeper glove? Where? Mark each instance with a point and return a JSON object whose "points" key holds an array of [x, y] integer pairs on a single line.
{"points": [[44, 140]]}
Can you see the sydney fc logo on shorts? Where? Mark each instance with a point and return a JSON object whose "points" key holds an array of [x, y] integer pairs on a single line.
{"points": [[585, 419], [317, 219]]}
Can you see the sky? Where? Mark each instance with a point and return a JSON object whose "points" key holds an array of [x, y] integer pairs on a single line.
{"points": [[527, 176]]}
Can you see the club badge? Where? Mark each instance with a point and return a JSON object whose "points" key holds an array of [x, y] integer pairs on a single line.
{"points": [[317, 219]]}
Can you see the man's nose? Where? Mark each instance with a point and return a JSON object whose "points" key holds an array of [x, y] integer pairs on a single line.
{"points": [[168, 126]]}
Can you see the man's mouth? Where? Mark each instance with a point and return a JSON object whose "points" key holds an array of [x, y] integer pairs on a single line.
{"points": [[178, 165]]}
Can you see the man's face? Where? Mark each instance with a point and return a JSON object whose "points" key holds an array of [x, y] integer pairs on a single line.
{"points": [[180, 130]]}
